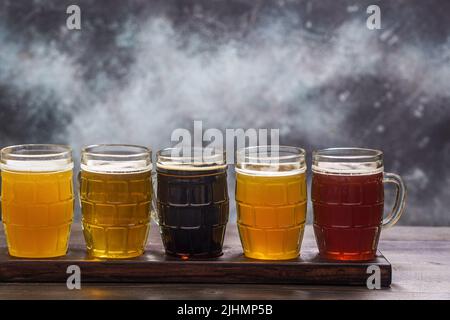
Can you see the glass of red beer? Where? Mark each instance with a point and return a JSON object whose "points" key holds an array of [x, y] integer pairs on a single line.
{"points": [[348, 202]]}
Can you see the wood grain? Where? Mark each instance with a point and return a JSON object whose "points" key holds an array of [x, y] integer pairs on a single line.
{"points": [[155, 266], [420, 258]]}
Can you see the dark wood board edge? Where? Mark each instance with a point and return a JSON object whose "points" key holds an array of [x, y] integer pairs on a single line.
{"points": [[113, 271]]}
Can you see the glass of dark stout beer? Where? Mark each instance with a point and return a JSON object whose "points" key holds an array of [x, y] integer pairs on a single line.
{"points": [[192, 201], [348, 202]]}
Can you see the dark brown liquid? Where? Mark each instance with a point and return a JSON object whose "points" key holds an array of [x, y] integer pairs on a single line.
{"points": [[192, 211], [348, 211]]}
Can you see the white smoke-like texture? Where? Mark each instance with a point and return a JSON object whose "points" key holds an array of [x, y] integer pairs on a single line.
{"points": [[41, 69], [169, 83], [274, 77]]}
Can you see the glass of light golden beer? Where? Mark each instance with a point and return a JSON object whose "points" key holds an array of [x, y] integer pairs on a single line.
{"points": [[116, 195], [271, 201], [37, 199]]}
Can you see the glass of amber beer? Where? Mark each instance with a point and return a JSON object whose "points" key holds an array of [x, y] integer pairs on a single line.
{"points": [[116, 195], [348, 202], [192, 201], [37, 199], [271, 201]]}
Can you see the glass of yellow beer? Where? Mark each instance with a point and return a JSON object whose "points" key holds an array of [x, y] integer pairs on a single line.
{"points": [[116, 195], [37, 199], [271, 201]]}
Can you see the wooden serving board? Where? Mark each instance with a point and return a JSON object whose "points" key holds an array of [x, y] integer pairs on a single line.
{"points": [[155, 266]]}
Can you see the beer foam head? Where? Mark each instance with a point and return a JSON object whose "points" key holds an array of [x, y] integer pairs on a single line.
{"points": [[271, 160], [36, 158], [348, 161], [191, 159], [273, 170], [115, 158], [104, 166]]}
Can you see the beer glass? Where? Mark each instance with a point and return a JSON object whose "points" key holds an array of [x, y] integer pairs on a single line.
{"points": [[348, 202], [115, 194], [192, 201], [37, 199], [271, 201]]}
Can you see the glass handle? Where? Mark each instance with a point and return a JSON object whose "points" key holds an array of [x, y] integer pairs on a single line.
{"points": [[400, 199], [154, 209]]}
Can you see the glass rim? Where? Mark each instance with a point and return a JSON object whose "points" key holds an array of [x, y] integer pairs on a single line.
{"points": [[115, 158], [87, 150], [218, 153], [36, 158], [8, 153], [271, 160], [344, 153], [196, 159], [347, 161], [296, 152]]}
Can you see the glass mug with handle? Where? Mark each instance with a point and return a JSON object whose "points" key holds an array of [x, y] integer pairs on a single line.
{"points": [[192, 201], [37, 199], [116, 199], [271, 201], [348, 202]]}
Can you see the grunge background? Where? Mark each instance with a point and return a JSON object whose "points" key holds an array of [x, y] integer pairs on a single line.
{"points": [[139, 69]]}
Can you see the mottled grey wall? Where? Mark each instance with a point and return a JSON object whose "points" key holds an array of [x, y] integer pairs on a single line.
{"points": [[139, 69]]}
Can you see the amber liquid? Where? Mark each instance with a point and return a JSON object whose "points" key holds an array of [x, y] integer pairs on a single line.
{"points": [[115, 213], [37, 212], [348, 211], [271, 213], [193, 209]]}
